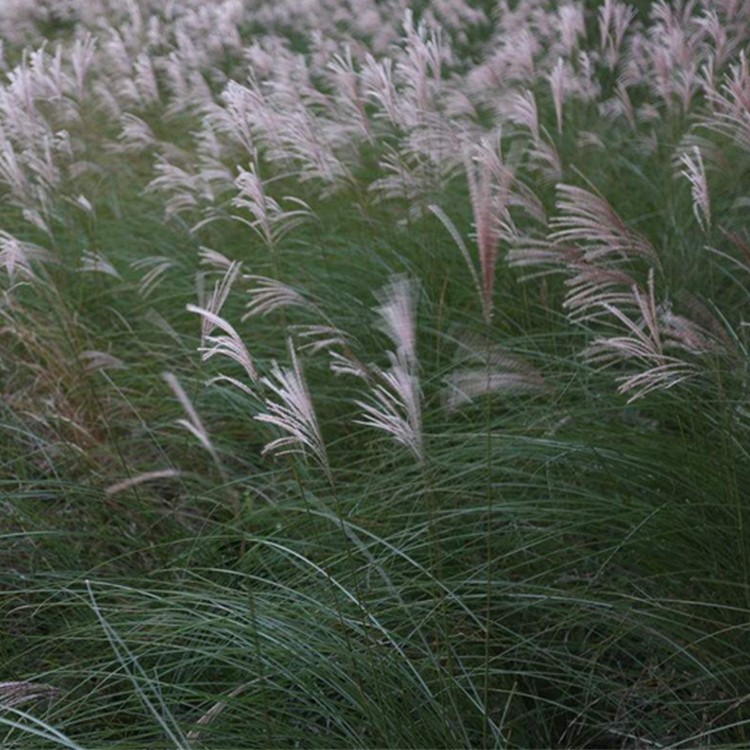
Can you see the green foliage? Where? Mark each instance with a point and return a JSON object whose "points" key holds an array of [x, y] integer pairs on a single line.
{"points": [[561, 567]]}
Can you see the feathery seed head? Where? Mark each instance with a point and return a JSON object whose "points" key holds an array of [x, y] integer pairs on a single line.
{"points": [[229, 345], [293, 413], [397, 311]]}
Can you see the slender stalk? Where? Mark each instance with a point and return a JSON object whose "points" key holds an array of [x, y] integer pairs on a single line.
{"points": [[262, 670], [488, 554], [436, 567]]}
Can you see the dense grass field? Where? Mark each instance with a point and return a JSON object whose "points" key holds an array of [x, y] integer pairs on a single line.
{"points": [[374, 374]]}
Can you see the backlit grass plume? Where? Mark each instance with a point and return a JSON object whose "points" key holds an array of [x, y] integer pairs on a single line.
{"points": [[290, 410], [395, 403]]}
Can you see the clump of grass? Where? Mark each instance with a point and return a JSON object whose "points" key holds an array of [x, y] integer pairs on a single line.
{"points": [[452, 442]]}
